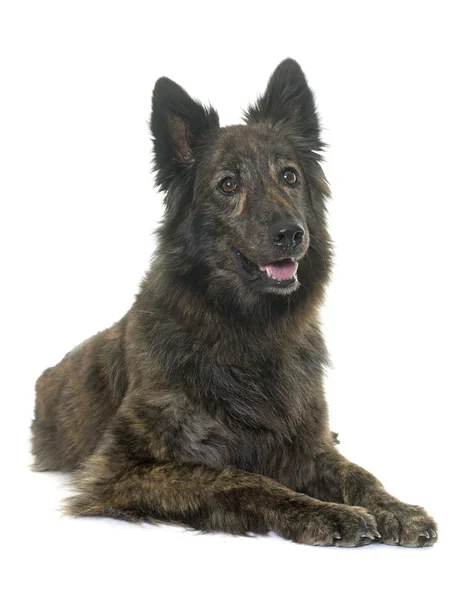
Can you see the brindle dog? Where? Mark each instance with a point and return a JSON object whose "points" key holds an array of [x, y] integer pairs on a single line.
{"points": [[204, 405]]}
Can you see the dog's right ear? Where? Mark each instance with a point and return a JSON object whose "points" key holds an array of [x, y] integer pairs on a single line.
{"points": [[178, 125]]}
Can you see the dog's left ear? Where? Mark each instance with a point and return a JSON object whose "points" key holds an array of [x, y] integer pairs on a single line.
{"points": [[178, 124], [288, 100]]}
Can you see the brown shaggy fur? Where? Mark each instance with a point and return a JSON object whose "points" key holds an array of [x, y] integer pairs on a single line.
{"points": [[204, 405]]}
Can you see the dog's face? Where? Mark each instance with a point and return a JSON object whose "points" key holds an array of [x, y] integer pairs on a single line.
{"points": [[251, 186], [245, 203]]}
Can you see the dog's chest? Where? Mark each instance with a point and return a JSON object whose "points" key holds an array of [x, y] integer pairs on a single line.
{"points": [[253, 409], [257, 415], [267, 394]]}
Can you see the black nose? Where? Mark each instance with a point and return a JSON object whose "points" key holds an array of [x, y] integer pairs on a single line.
{"points": [[287, 236]]}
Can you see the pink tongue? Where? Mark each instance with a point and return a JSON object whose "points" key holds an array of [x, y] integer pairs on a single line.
{"points": [[282, 269]]}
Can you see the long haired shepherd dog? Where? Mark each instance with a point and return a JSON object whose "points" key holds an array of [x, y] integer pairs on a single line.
{"points": [[204, 406]]}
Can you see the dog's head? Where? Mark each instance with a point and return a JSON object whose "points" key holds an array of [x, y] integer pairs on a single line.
{"points": [[245, 208]]}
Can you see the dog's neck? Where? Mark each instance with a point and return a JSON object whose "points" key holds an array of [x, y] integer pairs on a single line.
{"points": [[213, 317]]}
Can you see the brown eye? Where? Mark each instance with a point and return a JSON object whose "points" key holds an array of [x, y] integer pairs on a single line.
{"points": [[289, 177], [228, 185]]}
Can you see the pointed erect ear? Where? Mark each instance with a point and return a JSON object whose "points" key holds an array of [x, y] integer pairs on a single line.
{"points": [[178, 125], [288, 100]]}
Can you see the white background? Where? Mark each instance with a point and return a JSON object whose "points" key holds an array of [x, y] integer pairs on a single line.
{"points": [[77, 213]]}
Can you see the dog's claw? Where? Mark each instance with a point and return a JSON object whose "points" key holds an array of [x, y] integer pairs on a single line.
{"points": [[433, 533], [425, 534]]}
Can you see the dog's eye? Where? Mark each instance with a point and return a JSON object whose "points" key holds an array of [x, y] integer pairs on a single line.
{"points": [[228, 185], [289, 177]]}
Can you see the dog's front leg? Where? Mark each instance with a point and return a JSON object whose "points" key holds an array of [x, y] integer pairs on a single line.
{"points": [[339, 480], [149, 467]]}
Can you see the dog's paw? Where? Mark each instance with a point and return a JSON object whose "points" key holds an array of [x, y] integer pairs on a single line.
{"points": [[337, 525], [401, 524], [348, 526], [353, 527]]}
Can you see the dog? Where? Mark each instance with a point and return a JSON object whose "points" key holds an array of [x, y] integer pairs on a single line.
{"points": [[204, 406]]}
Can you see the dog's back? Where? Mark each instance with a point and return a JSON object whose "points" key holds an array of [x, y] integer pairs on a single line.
{"points": [[76, 399]]}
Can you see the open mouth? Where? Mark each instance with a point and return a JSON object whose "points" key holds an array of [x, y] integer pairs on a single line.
{"points": [[281, 273]]}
